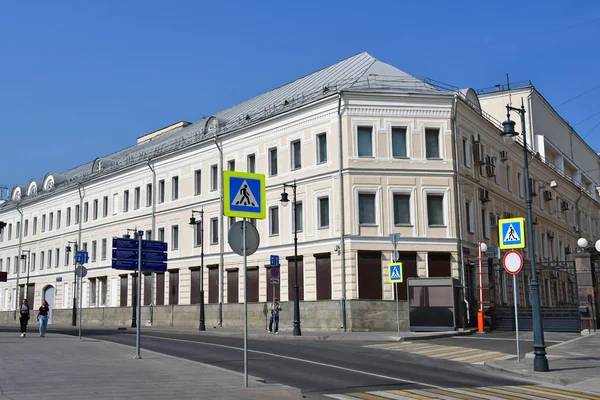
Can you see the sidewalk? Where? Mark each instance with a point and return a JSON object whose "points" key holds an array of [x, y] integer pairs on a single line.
{"points": [[575, 364], [64, 367]]}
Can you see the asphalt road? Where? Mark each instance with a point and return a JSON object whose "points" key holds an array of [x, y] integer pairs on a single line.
{"points": [[314, 366]]}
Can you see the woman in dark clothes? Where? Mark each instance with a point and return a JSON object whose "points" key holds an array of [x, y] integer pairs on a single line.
{"points": [[24, 317]]}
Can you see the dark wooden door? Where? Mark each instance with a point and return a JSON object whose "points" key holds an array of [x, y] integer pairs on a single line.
{"points": [[195, 289], [370, 279], [252, 287], [292, 279], [213, 284], [439, 265], [123, 301], [174, 287], [232, 286], [160, 288], [323, 276], [409, 270], [270, 286], [148, 281]]}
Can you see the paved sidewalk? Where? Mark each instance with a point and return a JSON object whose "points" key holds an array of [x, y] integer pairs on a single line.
{"points": [[575, 364], [64, 367]]}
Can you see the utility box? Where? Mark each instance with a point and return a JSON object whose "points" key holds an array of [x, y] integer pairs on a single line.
{"points": [[434, 304]]}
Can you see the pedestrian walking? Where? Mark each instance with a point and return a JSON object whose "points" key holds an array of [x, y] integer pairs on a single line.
{"points": [[43, 314], [275, 307], [24, 317]]}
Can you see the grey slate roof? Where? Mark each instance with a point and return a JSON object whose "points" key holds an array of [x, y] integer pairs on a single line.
{"points": [[361, 73]]}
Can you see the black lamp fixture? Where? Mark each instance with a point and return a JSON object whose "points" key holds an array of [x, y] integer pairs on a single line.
{"points": [[284, 202], [194, 223], [540, 361]]}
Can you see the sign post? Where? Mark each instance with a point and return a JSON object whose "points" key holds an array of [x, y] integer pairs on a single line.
{"points": [[274, 262], [513, 262], [244, 197], [395, 277], [81, 257], [395, 237]]}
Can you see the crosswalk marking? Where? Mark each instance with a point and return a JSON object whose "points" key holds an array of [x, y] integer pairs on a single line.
{"points": [[453, 353], [525, 392]]}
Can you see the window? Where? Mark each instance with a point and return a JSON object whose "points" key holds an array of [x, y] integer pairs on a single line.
{"points": [[214, 231], [496, 171], [8, 264], [214, 177], [42, 260], [366, 208], [175, 188], [365, 141], [51, 221], [322, 148], [274, 221], [136, 198], [86, 211], [34, 228], [401, 209], [43, 226], [520, 183], [296, 155], [432, 143], [469, 215], [56, 257], [18, 232], [58, 218], [1, 260], [161, 234], [26, 228], [148, 234], [105, 206], [126, 201], [115, 203], [197, 182], [435, 209], [49, 259], [485, 226], [161, 191], [509, 184], [232, 220], [231, 165], [273, 162], [148, 194], [174, 237], [10, 230], [103, 251], [197, 235], [33, 255], [251, 163], [399, 142], [323, 210], [66, 259], [95, 210], [94, 250], [466, 152], [92, 292]]}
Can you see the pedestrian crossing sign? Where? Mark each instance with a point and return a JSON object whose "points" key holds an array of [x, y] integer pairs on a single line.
{"points": [[511, 233], [395, 272], [244, 195]]}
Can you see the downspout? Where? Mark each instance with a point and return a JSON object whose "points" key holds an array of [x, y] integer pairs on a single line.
{"points": [[18, 266], [342, 219], [153, 227], [459, 214], [221, 235]]}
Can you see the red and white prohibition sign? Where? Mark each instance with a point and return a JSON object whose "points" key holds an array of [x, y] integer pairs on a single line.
{"points": [[513, 262]]}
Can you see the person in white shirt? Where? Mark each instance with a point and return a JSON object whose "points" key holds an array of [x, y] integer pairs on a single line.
{"points": [[275, 307]]}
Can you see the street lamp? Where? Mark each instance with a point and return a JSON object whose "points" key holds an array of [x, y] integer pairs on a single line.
{"points": [[540, 362], [583, 244], [193, 222], [482, 248], [28, 258], [67, 251], [133, 283], [284, 202]]}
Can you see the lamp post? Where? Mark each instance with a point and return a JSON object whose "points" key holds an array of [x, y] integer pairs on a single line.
{"points": [[540, 362], [133, 283], [482, 248], [67, 251], [193, 222], [284, 202], [28, 258]]}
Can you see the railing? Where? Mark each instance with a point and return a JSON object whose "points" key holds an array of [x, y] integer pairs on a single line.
{"points": [[503, 87]]}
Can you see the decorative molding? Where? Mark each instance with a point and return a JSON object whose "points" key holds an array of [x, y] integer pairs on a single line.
{"points": [[399, 112]]}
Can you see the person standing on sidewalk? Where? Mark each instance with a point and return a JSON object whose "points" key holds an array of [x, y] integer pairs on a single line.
{"points": [[43, 314], [275, 308], [24, 317]]}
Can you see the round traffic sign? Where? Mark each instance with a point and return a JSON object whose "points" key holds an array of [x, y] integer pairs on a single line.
{"points": [[274, 272], [513, 262], [235, 238], [81, 271]]}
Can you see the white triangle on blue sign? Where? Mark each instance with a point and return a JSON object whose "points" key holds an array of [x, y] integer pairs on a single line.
{"points": [[511, 235], [395, 273], [244, 196]]}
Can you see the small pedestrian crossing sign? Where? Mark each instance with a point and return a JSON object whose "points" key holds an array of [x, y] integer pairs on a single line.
{"points": [[511, 233], [395, 272], [244, 195]]}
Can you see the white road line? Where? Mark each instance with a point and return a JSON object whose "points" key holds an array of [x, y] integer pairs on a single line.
{"points": [[356, 371], [340, 397], [390, 395], [506, 339]]}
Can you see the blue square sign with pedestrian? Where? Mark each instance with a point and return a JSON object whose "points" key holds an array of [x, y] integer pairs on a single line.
{"points": [[511, 233], [244, 195]]}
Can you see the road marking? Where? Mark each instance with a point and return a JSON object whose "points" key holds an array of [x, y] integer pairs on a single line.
{"points": [[483, 358], [505, 339], [367, 396], [410, 395], [488, 393], [356, 371], [557, 391]]}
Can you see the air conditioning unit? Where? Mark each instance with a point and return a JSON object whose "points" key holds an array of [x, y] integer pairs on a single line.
{"points": [[568, 250], [564, 205], [493, 221], [506, 215], [547, 195], [484, 195], [535, 221], [532, 187], [476, 138], [477, 153], [504, 155], [550, 234]]}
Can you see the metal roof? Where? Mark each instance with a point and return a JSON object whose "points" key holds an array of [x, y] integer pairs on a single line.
{"points": [[361, 73]]}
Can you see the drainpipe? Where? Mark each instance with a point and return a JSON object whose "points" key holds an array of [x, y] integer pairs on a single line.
{"points": [[342, 220], [18, 266], [153, 227], [221, 236], [459, 214]]}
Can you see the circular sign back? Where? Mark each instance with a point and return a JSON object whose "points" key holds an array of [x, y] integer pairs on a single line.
{"points": [[513, 262]]}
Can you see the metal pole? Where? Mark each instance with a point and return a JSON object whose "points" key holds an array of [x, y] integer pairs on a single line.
{"points": [[540, 362], [77, 247], [28, 267], [480, 319], [80, 301], [516, 298], [202, 325], [397, 310], [297, 331], [138, 296], [18, 266], [245, 303]]}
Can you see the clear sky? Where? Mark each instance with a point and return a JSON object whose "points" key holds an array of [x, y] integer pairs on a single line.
{"points": [[82, 79]]}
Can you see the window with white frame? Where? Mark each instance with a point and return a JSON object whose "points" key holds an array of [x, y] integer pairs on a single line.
{"points": [[432, 143], [103, 250], [509, 182], [104, 208], [148, 196], [401, 209], [496, 171], [86, 212], [366, 209], [34, 228], [94, 210], [321, 148], [18, 232], [466, 152], [470, 216], [49, 259], [435, 209], [296, 154], [273, 161], [175, 237], [274, 221], [161, 234], [214, 230], [198, 235], [399, 142], [251, 163], [197, 182], [94, 250], [68, 217], [174, 188], [56, 257], [43, 226], [26, 227], [521, 184], [485, 222], [33, 256], [214, 177], [365, 141], [323, 205], [115, 203], [298, 217], [161, 191], [125, 200], [136, 198], [231, 165]]}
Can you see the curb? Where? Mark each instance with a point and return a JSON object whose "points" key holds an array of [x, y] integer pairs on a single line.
{"points": [[526, 374]]}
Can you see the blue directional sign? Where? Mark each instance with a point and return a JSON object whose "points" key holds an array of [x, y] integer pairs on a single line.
{"points": [[125, 255], [245, 195], [154, 256], [511, 233], [154, 245], [82, 257], [122, 243], [147, 266], [274, 261]]}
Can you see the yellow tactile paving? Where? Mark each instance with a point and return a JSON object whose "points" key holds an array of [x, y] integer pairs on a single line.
{"points": [[366, 396], [445, 393], [409, 394], [485, 358]]}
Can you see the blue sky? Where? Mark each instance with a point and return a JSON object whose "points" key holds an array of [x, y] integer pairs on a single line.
{"points": [[83, 79]]}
